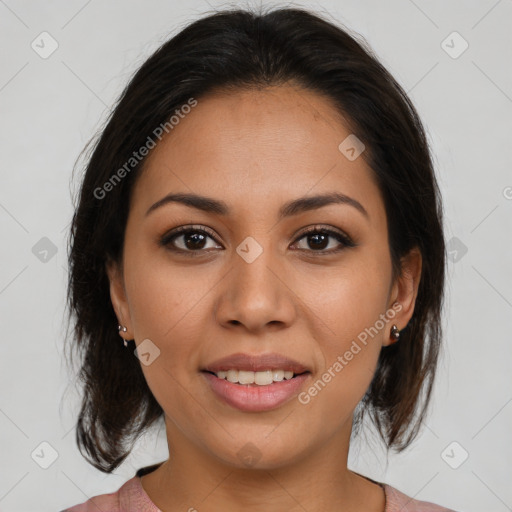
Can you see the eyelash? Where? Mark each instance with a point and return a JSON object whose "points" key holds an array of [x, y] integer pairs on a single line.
{"points": [[165, 241]]}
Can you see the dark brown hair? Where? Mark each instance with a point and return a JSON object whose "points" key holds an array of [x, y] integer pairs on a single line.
{"points": [[237, 49]]}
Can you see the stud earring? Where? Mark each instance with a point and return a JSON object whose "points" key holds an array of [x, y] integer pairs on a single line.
{"points": [[122, 328], [395, 333]]}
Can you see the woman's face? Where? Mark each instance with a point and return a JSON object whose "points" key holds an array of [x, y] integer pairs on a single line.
{"points": [[254, 282]]}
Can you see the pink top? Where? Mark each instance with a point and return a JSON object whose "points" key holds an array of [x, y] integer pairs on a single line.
{"points": [[131, 497]]}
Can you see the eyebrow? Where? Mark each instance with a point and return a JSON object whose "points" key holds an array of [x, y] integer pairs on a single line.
{"points": [[300, 205]]}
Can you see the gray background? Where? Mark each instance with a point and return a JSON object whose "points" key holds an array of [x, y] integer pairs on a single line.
{"points": [[50, 107]]}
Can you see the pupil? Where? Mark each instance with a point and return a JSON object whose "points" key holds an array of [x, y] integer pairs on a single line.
{"points": [[196, 238], [323, 243]]}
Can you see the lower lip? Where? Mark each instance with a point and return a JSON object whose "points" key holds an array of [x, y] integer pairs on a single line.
{"points": [[256, 398]]}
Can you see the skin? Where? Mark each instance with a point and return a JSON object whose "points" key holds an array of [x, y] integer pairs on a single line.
{"points": [[256, 150]]}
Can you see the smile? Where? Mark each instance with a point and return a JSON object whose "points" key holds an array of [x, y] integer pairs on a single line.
{"points": [[253, 396]]}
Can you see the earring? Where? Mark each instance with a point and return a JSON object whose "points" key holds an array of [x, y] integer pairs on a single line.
{"points": [[395, 333], [121, 328]]}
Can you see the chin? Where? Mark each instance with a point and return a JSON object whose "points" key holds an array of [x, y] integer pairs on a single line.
{"points": [[264, 455]]}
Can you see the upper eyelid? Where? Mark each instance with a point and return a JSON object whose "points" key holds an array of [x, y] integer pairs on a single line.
{"points": [[319, 227]]}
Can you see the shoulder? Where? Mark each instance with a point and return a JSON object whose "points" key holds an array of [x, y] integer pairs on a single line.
{"points": [[108, 502], [397, 501], [130, 497]]}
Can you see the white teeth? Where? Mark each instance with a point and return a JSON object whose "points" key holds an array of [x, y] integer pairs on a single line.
{"points": [[260, 378], [278, 375], [245, 377], [263, 378], [232, 376]]}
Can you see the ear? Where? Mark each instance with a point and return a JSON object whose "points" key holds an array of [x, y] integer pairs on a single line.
{"points": [[118, 298], [404, 291]]}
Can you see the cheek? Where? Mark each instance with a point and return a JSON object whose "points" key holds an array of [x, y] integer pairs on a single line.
{"points": [[168, 305], [164, 298], [165, 305], [350, 331], [348, 299]]}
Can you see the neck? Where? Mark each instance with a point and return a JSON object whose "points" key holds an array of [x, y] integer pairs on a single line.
{"points": [[193, 479]]}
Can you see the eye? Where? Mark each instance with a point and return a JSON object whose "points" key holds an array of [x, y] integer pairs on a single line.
{"points": [[188, 239], [193, 240], [317, 238]]}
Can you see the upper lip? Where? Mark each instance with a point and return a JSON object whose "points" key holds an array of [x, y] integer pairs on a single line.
{"points": [[256, 363]]}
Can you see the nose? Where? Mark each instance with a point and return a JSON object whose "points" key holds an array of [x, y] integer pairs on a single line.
{"points": [[256, 295]]}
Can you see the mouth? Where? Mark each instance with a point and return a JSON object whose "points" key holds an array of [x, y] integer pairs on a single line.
{"points": [[251, 396], [255, 382]]}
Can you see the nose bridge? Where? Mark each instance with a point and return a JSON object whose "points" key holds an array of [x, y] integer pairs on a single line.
{"points": [[252, 264], [254, 294]]}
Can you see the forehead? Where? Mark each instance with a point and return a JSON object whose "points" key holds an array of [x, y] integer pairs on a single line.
{"points": [[254, 147]]}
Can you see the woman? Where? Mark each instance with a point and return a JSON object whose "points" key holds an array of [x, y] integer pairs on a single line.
{"points": [[261, 224]]}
